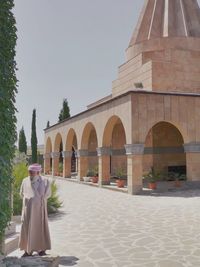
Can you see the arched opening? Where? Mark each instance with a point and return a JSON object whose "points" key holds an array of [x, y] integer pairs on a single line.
{"points": [[89, 143], [48, 158], [164, 150], [58, 161], [115, 139], [71, 166]]}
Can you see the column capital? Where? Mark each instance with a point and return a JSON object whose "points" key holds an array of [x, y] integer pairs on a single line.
{"points": [[55, 155], [82, 153], [134, 149], [193, 147], [47, 156], [67, 154], [103, 151]]}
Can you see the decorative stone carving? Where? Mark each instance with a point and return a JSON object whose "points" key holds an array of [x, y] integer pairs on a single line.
{"points": [[82, 153], [103, 151], [55, 155], [134, 149], [67, 154], [192, 147]]}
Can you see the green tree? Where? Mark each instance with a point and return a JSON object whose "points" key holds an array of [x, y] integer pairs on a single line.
{"points": [[65, 111], [48, 124], [8, 91], [34, 138], [22, 141]]}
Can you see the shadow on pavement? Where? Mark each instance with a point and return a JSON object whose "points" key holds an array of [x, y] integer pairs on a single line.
{"points": [[68, 261], [57, 216], [188, 189]]}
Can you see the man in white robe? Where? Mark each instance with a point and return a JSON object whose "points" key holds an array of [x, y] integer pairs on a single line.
{"points": [[35, 190]]}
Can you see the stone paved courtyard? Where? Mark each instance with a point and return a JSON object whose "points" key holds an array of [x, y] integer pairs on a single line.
{"points": [[102, 228]]}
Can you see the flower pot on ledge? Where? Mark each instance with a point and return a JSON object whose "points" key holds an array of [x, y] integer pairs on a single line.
{"points": [[152, 185], [120, 183], [95, 179]]}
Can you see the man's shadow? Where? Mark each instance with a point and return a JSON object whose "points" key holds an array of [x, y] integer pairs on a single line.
{"points": [[68, 261]]}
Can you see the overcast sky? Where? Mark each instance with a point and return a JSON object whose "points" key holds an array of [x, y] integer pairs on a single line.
{"points": [[68, 49]]}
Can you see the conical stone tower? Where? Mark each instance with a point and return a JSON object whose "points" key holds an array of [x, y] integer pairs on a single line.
{"points": [[164, 51]]}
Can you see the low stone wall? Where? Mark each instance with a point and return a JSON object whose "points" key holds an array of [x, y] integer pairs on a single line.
{"points": [[35, 261]]}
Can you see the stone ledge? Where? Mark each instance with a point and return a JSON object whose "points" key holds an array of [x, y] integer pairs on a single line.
{"points": [[35, 261], [11, 243]]}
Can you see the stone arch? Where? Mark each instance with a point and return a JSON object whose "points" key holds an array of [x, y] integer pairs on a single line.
{"points": [[71, 147], [89, 143], [114, 137], [108, 130], [180, 128], [58, 158], [58, 141], [86, 135], [164, 149], [48, 157], [71, 140], [48, 147]]}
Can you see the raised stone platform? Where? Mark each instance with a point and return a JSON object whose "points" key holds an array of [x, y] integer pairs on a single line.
{"points": [[11, 239], [50, 261]]}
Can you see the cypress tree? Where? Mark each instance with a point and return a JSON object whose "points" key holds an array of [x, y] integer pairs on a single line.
{"points": [[22, 141], [8, 91], [65, 111], [34, 138]]}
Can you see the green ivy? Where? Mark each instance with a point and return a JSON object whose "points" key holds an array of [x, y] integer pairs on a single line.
{"points": [[8, 90]]}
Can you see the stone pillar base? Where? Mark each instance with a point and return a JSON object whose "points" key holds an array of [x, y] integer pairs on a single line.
{"points": [[135, 167]]}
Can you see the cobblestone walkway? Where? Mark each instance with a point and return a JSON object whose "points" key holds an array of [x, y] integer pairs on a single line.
{"points": [[102, 228]]}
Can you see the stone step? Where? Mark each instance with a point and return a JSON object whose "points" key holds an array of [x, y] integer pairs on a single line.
{"points": [[11, 229], [47, 261], [11, 243]]}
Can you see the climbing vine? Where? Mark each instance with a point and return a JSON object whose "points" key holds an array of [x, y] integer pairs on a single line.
{"points": [[8, 90]]}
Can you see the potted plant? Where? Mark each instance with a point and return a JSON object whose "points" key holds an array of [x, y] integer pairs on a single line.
{"points": [[177, 178], [95, 176], [88, 176], [152, 177], [60, 167], [121, 177]]}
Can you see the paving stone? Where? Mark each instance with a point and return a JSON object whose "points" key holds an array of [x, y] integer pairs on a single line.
{"points": [[168, 263], [97, 227]]}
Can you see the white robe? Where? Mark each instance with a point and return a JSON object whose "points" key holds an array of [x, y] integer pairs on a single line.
{"points": [[34, 234]]}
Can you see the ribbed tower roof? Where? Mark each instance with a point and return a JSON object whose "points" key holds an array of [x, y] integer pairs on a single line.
{"points": [[167, 18]]}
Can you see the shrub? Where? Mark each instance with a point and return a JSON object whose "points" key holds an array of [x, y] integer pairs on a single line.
{"points": [[20, 171], [53, 203]]}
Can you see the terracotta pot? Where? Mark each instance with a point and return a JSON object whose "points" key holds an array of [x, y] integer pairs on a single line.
{"points": [[61, 174], [152, 186], [177, 183], [120, 183], [95, 179]]}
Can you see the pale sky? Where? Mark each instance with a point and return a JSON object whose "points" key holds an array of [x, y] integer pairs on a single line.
{"points": [[68, 49]]}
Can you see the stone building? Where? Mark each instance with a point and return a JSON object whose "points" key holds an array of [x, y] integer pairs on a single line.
{"points": [[152, 117]]}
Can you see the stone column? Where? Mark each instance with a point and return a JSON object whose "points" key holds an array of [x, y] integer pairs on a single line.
{"points": [[192, 151], [82, 156], [47, 162], [67, 160], [55, 163], [134, 154], [104, 165]]}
